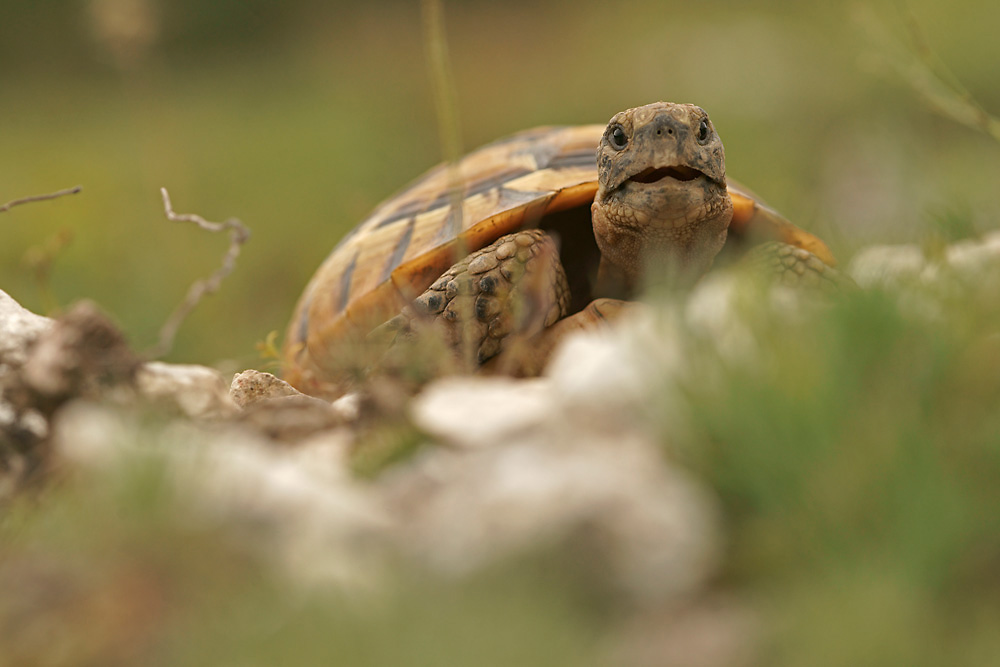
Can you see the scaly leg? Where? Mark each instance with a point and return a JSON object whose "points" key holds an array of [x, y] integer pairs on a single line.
{"points": [[796, 267], [510, 290]]}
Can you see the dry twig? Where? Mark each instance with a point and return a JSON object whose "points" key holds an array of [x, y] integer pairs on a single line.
{"points": [[449, 129], [442, 80], [40, 260], [446, 107], [52, 195], [917, 64], [238, 235]]}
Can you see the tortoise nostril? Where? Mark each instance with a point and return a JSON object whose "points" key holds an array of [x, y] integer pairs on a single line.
{"points": [[670, 130]]}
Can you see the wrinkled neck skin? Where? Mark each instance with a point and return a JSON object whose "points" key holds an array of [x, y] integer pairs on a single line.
{"points": [[662, 210], [664, 239]]}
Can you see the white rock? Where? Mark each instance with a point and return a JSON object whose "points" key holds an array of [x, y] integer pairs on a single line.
{"points": [[606, 377], [887, 265], [655, 528], [478, 411], [199, 392], [904, 265], [348, 407], [542, 461], [18, 328], [717, 311], [975, 255], [10, 419], [299, 506], [598, 377], [252, 386]]}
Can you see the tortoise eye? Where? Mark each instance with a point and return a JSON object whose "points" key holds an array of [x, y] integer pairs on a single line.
{"points": [[703, 130], [618, 138]]}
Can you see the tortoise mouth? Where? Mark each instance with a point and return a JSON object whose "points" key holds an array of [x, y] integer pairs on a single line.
{"points": [[676, 172]]}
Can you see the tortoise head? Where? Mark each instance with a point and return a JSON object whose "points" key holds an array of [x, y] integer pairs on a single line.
{"points": [[662, 208]]}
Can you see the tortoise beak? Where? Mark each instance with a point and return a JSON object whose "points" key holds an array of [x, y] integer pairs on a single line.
{"points": [[676, 172]]}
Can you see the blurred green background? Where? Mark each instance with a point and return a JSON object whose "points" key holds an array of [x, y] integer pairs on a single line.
{"points": [[298, 117], [857, 469]]}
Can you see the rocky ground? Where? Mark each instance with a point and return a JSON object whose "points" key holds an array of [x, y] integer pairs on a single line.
{"points": [[585, 465]]}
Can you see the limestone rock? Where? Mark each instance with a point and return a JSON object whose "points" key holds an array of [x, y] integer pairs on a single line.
{"points": [[298, 506], [19, 327], [82, 354], [477, 412], [909, 265], [887, 265], [277, 409], [252, 386], [197, 391], [22, 428], [291, 418], [526, 471]]}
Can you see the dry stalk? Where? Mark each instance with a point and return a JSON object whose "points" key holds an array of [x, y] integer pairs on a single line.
{"points": [[449, 130], [238, 235], [52, 195], [920, 67], [40, 260]]}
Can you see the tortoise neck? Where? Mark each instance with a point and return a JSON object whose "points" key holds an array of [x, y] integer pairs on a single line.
{"points": [[614, 282]]}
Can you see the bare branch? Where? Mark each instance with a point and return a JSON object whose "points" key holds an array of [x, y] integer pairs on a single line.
{"points": [[920, 67], [40, 260], [238, 235], [449, 129], [52, 195], [445, 106]]}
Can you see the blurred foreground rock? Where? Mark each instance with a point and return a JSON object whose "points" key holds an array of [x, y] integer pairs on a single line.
{"points": [[573, 465], [298, 507], [22, 429], [19, 327], [902, 266], [194, 391], [82, 355], [528, 477], [928, 281], [563, 465]]}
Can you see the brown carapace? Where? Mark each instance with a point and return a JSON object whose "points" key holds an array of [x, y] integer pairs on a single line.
{"points": [[546, 178]]}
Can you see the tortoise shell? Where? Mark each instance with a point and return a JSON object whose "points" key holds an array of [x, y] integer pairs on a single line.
{"points": [[521, 181]]}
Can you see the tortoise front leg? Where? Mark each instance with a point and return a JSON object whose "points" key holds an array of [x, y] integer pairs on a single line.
{"points": [[793, 266], [510, 290]]}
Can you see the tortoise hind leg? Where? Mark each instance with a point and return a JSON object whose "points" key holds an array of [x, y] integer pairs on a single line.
{"points": [[529, 357], [510, 290]]}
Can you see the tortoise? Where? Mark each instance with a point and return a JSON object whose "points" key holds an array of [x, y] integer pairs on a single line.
{"points": [[566, 219]]}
